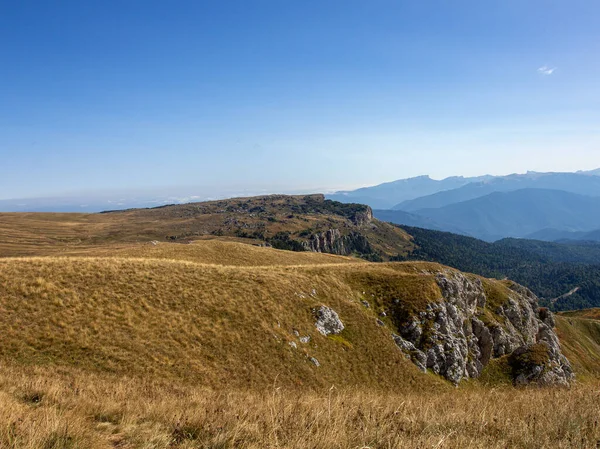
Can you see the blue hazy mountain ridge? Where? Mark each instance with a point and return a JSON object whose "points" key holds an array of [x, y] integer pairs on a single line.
{"points": [[518, 213], [409, 219], [392, 195], [581, 183], [557, 235], [387, 195]]}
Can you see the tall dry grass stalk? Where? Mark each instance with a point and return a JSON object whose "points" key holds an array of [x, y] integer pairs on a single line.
{"points": [[66, 409]]}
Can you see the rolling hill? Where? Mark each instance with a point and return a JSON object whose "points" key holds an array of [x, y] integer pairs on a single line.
{"points": [[579, 332], [590, 314], [229, 314], [145, 327], [306, 224], [285, 222], [215, 343]]}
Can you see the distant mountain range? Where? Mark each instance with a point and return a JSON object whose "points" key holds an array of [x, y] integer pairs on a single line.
{"points": [[539, 206], [543, 206], [568, 182], [389, 194]]}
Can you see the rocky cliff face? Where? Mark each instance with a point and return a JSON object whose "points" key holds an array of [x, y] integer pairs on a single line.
{"points": [[459, 334], [363, 217], [332, 241]]}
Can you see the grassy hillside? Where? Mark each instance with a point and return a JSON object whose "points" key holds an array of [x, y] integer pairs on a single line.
{"points": [[218, 314], [579, 332], [200, 323], [189, 345], [221, 251], [118, 341], [592, 314], [213, 310], [286, 222]]}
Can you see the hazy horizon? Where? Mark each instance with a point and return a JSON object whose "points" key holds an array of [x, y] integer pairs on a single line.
{"points": [[233, 191], [102, 200]]}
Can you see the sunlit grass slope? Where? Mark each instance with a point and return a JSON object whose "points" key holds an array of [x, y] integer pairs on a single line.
{"points": [[224, 252], [220, 313], [592, 314], [202, 324], [190, 345], [579, 333]]}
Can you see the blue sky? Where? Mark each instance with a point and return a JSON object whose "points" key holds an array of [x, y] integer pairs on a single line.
{"points": [[289, 95]]}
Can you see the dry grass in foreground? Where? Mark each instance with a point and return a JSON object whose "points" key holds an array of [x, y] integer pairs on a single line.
{"points": [[66, 409]]}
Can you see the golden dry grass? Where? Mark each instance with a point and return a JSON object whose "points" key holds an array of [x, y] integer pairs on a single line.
{"points": [[46, 233], [580, 342], [52, 408], [591, 314], [224, 252], [188, 346], [222, 326]]}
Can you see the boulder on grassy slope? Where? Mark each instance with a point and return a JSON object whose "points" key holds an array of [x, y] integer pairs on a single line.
{"points": [[328, 322]]}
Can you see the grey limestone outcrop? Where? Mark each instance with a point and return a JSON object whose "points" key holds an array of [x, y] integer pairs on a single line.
{"points": [[458, 335], [328, 322]]}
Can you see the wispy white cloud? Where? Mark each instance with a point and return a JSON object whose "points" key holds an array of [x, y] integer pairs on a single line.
{"points": [[545, 70]]}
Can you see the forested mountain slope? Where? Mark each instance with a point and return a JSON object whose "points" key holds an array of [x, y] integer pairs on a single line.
{"points": [[562, 285]]}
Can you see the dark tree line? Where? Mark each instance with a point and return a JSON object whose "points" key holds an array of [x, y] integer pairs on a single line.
{"points": [[549, 270]]}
